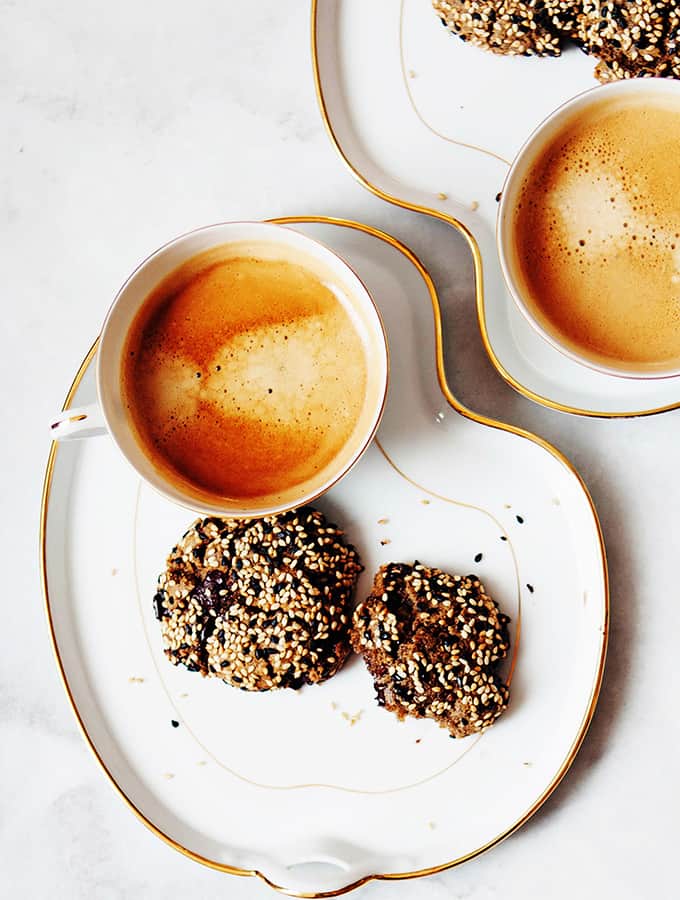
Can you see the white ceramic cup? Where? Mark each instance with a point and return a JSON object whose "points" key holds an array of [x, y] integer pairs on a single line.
{"points": [[529, 154], [110, 416]]}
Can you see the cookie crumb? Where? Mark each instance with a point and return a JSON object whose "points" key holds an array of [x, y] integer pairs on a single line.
{"points": [[474, 206], [385, 541], [114, 571], [442, 196], [168, 775], [383, 521], [426, 502], [135, 679]]}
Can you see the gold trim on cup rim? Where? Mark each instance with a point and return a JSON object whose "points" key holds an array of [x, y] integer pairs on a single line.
{"points": [[476, 260], [462, 410]]}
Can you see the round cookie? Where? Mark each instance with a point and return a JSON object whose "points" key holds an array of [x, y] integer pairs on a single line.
{"points": [[433, 643], [627, 36], [262, 603], [510, 27]]}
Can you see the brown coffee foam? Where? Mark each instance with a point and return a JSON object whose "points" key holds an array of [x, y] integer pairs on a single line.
{"points": [[596, 234], [248, 379]]}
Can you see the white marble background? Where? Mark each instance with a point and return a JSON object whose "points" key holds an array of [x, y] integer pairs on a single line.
{"points": [[122, 125]]}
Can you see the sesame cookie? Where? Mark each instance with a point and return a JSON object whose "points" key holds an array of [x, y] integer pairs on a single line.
{"points": [[510, 27], [433, 643], [629, 37], [261, 603]]}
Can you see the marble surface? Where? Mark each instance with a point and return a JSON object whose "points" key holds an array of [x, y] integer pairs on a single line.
{"points": [[123, 125]]}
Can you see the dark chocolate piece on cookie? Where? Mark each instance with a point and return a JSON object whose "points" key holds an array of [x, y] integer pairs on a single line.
{"points": [[433, 643], [263, 603]]}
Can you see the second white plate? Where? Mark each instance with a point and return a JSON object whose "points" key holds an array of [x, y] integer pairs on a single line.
{"points": [[431, 123]]}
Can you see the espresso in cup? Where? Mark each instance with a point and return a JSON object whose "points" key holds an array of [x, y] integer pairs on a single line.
{"points": [[593, 234], [245, 373]]}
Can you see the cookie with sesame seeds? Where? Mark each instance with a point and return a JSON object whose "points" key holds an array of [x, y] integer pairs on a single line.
{"points": [[628, 36], [260, 603], [433, 643], [510, 27]]}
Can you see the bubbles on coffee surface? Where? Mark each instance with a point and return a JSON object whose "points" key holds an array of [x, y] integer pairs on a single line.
{"points": [[597, 234]]}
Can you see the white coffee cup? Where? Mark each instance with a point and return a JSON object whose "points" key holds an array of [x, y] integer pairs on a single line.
{"points": [[529, 154], [110, 415]]}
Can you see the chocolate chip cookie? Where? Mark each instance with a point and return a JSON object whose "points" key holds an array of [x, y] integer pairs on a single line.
{"points": [[433, 643], [261, 604]]}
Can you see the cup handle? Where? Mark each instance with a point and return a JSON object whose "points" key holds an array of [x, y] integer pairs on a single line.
{"points": [[78, 422]]}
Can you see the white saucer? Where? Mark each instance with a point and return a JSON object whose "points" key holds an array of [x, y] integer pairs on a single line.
{"points": [[430, 123], [319, 790]]}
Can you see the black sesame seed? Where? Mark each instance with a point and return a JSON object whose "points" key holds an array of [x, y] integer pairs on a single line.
{"points": [[478, 557], [520, 520], [158, 608], [174, 723], [530, 588]]}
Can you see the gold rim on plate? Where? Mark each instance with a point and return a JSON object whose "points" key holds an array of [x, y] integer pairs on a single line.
{"points": [[474, 250], [463, 411]]}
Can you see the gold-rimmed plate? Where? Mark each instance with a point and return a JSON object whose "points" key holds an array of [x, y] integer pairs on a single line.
{"points": [[431, 123], [320, 790]]}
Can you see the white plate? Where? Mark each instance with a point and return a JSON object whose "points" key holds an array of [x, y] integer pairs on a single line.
{"points": [[430, 123], [271, 783]]}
